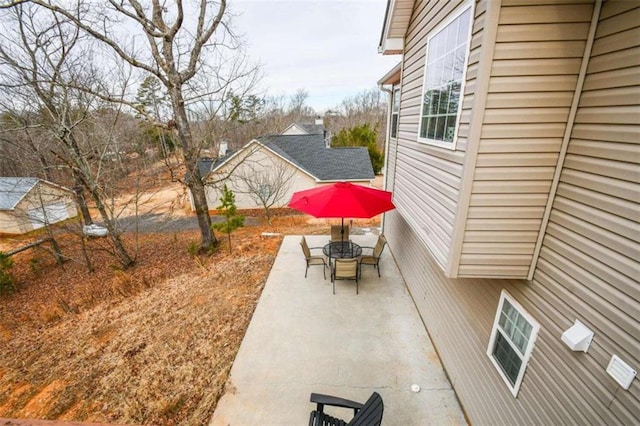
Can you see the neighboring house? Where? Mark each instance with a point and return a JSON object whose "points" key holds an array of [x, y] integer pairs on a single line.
{"points": [[268, 170], [317, 128], [30, 203], [514, 164]]}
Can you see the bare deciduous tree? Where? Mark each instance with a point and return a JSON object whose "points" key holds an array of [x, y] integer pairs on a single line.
{"points": [[298, 108], [179, 39], [42, 68], [265, 180]]}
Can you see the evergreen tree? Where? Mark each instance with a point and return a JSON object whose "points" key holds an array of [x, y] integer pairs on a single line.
{"points": [[228, 207], [152, 99], [364, 136], [244, 110]]}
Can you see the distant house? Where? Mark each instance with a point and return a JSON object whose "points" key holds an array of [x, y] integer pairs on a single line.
{"points": [[28, 203], [317, 128], [274, 167], [514, 160]]}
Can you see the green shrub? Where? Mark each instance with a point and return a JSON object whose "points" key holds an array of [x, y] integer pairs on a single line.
{"points": [[365, 136], [7, 282], [193, 248]]}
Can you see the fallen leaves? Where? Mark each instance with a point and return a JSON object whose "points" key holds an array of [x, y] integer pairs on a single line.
{"points": [[152, 344]]}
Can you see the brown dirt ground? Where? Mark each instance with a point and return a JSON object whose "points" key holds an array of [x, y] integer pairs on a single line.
{"points": [[152, 344]]}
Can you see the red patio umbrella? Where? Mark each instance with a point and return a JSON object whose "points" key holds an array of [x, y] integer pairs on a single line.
{"points": [[342, 199]]}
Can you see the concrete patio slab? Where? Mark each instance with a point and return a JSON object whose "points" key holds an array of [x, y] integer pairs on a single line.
{"points": [[303, 338]]}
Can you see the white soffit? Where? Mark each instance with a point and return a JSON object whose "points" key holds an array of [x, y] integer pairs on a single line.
{"points": [[395, 26], [393, 76]]}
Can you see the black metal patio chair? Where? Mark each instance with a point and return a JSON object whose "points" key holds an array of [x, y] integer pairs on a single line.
{"points": [[367, 414]]}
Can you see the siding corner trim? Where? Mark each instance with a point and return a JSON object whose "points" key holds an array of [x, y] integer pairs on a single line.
{"points": [[478, 109], [566, 137]]}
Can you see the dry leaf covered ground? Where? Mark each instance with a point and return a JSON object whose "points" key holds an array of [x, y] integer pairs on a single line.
{"points": [[149, 345]]}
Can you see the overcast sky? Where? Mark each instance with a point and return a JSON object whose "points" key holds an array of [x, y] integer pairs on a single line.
{"points": [[327, 47]]}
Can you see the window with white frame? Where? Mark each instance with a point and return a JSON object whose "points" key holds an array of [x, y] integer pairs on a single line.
{"points": [[395, 107], [443, 80], [512, 339]]}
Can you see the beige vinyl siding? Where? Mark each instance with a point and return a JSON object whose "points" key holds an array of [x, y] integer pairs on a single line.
{"points": [[390, 170], [590, 254], [459, 315], [538, 53], [427, 178], [560, 386], [589, 264]]}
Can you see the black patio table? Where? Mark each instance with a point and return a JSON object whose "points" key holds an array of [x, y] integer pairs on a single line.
{"points": [[342, 250]]}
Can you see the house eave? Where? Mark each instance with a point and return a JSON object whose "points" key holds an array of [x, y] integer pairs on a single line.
{"points": [[30, 188], [393, 76], [391, 46], [344, 180], [231, 157], [394, 27], [267, 148], [295, 126]]}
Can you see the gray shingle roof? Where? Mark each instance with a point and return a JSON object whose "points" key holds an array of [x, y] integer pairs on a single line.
{"points": [[312, 129], [309, 153], [12, 189], [205, 165]]}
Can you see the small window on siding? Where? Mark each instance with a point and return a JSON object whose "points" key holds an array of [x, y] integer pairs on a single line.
{"points": [[395, 107], [445, 63], [512, 338]]}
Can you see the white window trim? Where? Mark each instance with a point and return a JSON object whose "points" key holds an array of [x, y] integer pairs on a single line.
{"points": [[396, 112], [535, 327], [436, 30]]}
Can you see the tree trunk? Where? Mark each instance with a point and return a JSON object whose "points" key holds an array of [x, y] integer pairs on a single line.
{"points": [[91, 186], [85, 253], [194, 182], [78, 190], [121, 251], [57, 253], [202, 209]]}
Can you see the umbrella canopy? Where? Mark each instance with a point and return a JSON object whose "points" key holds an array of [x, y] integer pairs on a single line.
{"points": [[342, 199]]}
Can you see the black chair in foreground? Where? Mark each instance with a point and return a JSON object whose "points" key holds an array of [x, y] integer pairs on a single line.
{"points": [[312, 260], [374, 258], [367, 414]]}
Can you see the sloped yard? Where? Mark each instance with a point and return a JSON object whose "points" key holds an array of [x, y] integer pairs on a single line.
{"points": [[153, 344], [149, 345]]}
